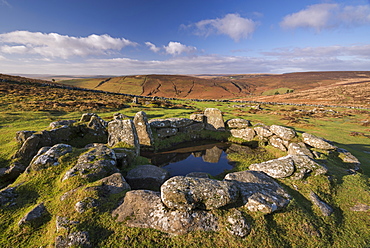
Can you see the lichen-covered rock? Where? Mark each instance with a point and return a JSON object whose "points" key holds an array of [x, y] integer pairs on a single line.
{"points": [[305, 165], [86, 117], [159, 123], [247, 134], [214, 119], [49, 156], [293, 166], [97, 163], [277, 142], [85, 204], [56, 124], [114, 184], [238, 123], [144, 209], [98, 125], [325, 209], [75, 239], [166, 132], [180, 122], [34, 217], [195, 127], [63, 223], [283, 132], [188, 193], [144, 132], [259, 191], [263, 131], [236, 223], [317, 142], [147, 177], [299, 149], [276, 168], [347, 157], [198, 117], [21, 136], [7, 195], [123, 131]]}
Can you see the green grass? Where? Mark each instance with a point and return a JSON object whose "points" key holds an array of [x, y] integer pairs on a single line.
{"points": [[299, 225], [277, 91]]}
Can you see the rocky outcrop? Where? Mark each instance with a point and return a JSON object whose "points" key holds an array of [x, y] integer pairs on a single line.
{"points": [[259, 192], [7, 196], [317, 142], [97, 163], [147, 177], [188, 193]]}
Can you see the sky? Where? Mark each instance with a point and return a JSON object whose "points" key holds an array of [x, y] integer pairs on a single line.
{"points": [[126, 37]]}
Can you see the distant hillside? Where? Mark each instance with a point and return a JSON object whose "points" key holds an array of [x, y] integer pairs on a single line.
{"points": [[296, 87]]}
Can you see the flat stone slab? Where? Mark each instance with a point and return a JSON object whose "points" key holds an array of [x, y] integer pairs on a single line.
{"points": [[147, 177]]}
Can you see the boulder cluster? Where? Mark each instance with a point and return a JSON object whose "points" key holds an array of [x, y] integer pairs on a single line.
{"points": [[175, 205]]}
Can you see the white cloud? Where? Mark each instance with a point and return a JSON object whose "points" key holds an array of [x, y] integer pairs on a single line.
{"points": [[232, 25], [326, 16], [176, 48], [359, 51], [56, 45], [316, 16], [4, 2], [152, 47]]}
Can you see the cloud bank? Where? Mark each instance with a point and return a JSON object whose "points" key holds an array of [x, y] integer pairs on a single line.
{"points": [[326, 16], [232, 25], [62, 46]]}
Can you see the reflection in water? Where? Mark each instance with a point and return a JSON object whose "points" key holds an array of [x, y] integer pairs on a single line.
{"points": [[210, 158]]}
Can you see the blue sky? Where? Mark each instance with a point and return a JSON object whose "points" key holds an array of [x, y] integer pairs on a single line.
{"points": [[111, 37]]}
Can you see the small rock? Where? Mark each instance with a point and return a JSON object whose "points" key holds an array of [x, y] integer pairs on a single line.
{"points": [[56, 124], [144, 132], [85, 204], [75, 239], [325, 209], [34, 216], [360, 207]]}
